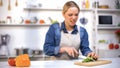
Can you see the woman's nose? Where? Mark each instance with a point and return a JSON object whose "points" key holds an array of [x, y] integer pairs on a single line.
{"points": [[74, 17]]}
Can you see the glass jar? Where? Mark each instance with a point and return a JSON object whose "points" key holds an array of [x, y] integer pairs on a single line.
{"points": [[8, 20]]}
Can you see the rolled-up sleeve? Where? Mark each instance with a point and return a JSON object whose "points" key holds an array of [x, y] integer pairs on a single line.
{"points": [[50, 48], [84, 45]]}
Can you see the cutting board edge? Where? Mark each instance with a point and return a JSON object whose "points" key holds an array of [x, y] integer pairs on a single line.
{"points": [[85, 64]]}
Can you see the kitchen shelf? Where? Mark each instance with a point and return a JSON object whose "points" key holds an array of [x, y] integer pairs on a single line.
{"points": [[100, 31], [58, 9], [42, 9], [108, 10], [25, 24], [86, 9], [50, 9], [108, 27]]}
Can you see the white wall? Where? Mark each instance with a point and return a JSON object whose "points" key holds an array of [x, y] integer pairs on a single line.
{"points": [[33, 37]]}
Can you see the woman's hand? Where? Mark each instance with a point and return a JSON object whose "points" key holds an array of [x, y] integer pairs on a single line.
{"points": [[70, 50], [92, 54]]}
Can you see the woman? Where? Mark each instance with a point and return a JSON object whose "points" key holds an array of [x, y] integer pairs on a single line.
{"points": [[64, 40]]}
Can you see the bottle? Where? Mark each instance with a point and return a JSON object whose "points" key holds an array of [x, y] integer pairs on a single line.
{"points": [[117, 4], [87, 4], [83, 3], [96, 4], [8, 21]]}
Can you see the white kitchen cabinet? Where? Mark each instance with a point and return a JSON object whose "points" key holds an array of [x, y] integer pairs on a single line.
{"points": [[109, 53], [106, 32], [100, 32], [115, 13]]}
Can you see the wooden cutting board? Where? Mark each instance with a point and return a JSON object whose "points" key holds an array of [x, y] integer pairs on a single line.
{"points": [[95, 63]]}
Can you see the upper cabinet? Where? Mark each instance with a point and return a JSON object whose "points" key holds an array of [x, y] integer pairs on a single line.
{"points": [[106, 22], [107, 19]]}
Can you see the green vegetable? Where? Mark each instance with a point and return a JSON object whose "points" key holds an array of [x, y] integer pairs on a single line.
{"points": [[102, 41], [89, 59]]}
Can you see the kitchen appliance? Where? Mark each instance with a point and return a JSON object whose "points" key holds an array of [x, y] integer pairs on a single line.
{"points": [[37, 52], [18, 51], [4, 50], [107, 20], [21, 51]]}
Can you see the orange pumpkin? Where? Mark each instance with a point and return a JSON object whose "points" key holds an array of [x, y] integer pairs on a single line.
{"points": [[22, 60]]}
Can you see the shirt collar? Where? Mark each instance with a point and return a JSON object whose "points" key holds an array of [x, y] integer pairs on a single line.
{"points": [[75, 30]]}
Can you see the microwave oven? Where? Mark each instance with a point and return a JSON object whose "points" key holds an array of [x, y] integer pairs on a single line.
{"points": [[106, 20]]}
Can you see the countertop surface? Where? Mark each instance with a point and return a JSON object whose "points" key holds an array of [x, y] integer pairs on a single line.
{"points": [[64, 64]]}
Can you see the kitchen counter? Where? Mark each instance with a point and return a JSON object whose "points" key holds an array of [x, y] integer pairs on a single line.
{"points": [[64, 64], [32, 58]]}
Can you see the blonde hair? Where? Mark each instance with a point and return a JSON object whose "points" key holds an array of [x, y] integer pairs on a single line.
{"points": [[69, 4]]}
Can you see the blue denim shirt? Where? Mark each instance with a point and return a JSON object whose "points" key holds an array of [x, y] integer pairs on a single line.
{"points": [[53, 36]]}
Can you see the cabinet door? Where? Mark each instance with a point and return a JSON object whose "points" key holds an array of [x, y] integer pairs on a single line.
{"points": [[109, 53]]}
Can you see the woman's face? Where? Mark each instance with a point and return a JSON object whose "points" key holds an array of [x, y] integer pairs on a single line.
{"points": [[71, 16]]}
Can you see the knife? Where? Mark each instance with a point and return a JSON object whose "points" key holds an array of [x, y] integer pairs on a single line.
{"points": [[82, 57]]}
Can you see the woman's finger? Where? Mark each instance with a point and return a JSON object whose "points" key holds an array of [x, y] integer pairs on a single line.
{"points": [[92, 54]]}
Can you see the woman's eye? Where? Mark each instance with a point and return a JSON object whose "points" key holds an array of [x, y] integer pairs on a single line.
{"points": [[70, 14], [76, 14]]}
